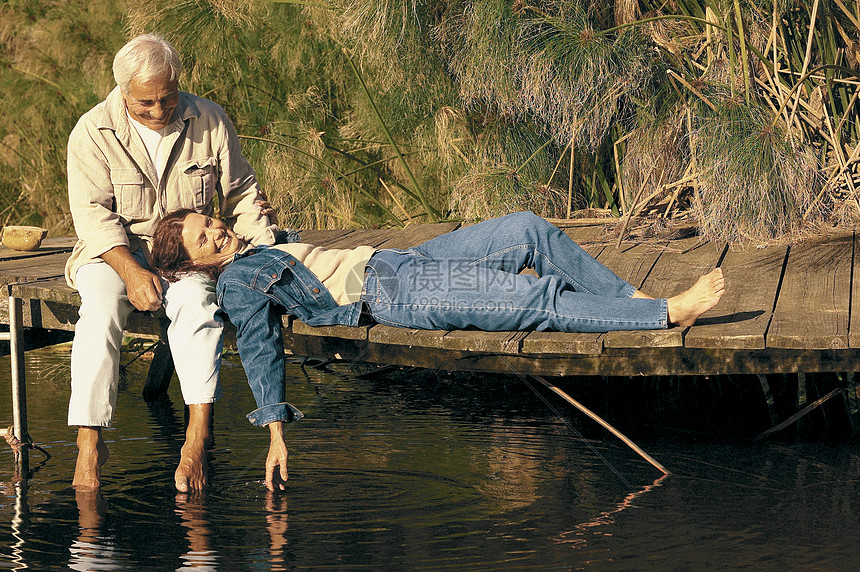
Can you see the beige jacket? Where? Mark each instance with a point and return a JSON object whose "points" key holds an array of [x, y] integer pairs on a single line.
{"points": [[114, 193]]}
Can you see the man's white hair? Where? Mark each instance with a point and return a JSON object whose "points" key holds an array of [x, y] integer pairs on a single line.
{"points": [[146, 57]]}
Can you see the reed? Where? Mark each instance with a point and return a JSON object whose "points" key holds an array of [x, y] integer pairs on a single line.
{"points": [[740, 114]]}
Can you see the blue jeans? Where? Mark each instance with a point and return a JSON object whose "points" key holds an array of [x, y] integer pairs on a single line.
{"points": [[468, 279]]}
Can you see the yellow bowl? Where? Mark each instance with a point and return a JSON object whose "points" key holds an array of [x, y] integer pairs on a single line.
{"points": [[23, 237]]}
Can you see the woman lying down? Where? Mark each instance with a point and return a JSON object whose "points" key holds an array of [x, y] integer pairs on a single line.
{"points": [[468, 278]]}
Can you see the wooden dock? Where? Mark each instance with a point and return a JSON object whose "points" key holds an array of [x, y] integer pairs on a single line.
{"points": [[786, 310]]}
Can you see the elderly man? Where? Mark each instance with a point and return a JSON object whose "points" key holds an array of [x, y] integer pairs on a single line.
{"points": [[145, 151]]}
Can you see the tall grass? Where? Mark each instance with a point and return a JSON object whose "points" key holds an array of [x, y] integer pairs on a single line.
{"points": [[739, 114], [55, 59]]}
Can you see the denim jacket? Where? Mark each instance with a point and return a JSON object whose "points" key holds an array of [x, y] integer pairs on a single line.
{"points": [[251, 290]]}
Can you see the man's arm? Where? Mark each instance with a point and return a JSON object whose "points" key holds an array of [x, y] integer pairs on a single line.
{"points": [[97, 224], [243, 204], [143, 287]]}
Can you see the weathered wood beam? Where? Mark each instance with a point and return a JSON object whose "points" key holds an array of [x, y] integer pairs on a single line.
{"points": [[612, 362]]}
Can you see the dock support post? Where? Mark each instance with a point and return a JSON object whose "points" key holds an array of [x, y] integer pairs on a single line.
{"points": [[19, 388], [850, 397], [160, 369]]}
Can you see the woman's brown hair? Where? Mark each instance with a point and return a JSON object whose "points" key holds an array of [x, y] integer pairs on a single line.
{"points": [[169, 256]]}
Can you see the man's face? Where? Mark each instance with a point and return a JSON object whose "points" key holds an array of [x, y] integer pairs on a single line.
{"points": [[208, 240], [152, 102]]}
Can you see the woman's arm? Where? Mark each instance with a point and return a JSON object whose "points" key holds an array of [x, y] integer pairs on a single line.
{"points": [[276, 461], [261, 349]]}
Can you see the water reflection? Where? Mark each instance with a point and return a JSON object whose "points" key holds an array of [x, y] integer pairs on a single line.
{"points": [[194, 517], [602, 523], [276, 525], [20, 520], [420, 471], [92, 549]]}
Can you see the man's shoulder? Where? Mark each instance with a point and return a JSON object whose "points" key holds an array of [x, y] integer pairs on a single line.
{"points": [[196, 106], [94, 117], [103, 115]]}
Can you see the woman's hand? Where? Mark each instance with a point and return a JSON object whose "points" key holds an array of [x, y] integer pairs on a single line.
{"points": [[266, 209], [276, 461]]}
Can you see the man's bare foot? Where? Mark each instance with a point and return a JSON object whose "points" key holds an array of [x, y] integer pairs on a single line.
{"points": [[686, 307], [192, 473], [92, 454]]}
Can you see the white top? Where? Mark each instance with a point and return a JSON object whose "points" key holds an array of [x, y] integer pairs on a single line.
{"points": [[340, 270], [152, 140]]}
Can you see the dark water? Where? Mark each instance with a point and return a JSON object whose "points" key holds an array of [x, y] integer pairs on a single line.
{"points": [[419, 470]]}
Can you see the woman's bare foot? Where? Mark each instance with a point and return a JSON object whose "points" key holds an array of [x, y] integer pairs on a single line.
{"points": [[686, 307], [92, 454]]}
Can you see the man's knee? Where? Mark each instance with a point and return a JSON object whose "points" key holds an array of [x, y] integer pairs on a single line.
{"points": [[101, 287]]}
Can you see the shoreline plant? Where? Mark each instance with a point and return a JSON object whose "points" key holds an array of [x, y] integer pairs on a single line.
{"points": [[739, 116]]}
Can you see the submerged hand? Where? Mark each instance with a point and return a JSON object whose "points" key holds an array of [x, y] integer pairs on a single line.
{"points": [[276, 461]]}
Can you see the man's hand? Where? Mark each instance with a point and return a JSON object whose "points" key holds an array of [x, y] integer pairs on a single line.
{"points": [[143, 287], [144, 290], [276, 461]]}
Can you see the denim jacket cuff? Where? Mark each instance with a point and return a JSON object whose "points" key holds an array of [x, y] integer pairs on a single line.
{"points": [[275, 412], [286, 236]]}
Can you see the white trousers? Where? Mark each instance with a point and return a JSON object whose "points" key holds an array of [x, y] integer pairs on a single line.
{"points": [[194, 335]]}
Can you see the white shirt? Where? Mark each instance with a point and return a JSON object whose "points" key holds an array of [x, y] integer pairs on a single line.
{"points": [[152, 140]]}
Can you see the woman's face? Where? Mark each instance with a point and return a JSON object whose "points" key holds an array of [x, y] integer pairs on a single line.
{"points": [[208, 240]]}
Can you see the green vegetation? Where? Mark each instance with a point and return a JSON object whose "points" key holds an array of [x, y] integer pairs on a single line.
{"points": [[741, 115]]}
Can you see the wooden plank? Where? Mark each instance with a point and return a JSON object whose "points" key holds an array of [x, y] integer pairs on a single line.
{"points": [[49, 246], [364, 237], [632, 262], [593, 239], [23, 270], [741, 318], [49, 315], [382, 334], [613, 362], [413, 235], [300, 328], [51, 289], [485, 342], [322, 237], [675, 270], [52, 304], [20, 271], [562, 343], [812, 309], [854, 325]]}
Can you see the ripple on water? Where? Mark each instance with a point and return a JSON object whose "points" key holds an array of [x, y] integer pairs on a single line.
{"points": [[418, 470]]}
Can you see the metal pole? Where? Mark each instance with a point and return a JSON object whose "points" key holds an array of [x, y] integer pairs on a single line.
{"points": [[19, 389]]}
